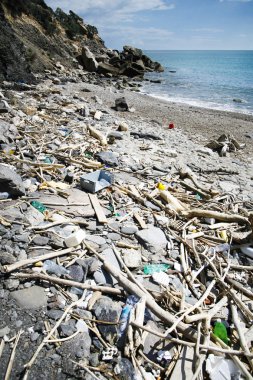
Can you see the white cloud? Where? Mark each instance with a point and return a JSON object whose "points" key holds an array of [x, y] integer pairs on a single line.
{"points": [[238, 1], [207, 30]]}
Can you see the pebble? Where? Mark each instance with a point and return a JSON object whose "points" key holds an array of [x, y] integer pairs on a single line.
{"points": [[129, 229], [4, 331], [114, 236], [31, 298]]}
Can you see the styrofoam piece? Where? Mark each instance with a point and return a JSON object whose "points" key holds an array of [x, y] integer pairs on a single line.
{"points": [[98, 180], [248, 251], [109, 353], [219, 368], [164, 355], [75, 239], [161, 278]]}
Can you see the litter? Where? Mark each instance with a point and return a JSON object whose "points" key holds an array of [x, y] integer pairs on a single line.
{"points": [[96, 181]]}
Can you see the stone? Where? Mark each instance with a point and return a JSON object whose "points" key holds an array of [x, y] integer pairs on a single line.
{"points": [[184, 365], [6, 258], [7, 132], [114, 236], [11, 283], [135, 52], [89, 60], [152, 238], [77, 347], [24, 238], [108, 158], [40, 240], [97, 115], [4, 106], [123, 127], [31, 298], [229, 187], [124, 370], [132, 258], [103, 277], [99, 240], [105, 68], [67, 329], [76, 272], [116, 135], [121, 104], [33, 216], [107, 310], [55, 314], [129, 229], [10, 181], [4, 331]]}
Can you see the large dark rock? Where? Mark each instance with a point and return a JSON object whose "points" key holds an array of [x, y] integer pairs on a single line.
{"points": [[121, 104], [136, 53], [7, 132], [107, 68], [89, 60], [10, 181], [129, 70]]}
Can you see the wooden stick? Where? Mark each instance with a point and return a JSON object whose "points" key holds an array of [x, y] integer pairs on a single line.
{"points": [[12, 357], [61, 281], [22, 263], [230, 218], [98, 209]]}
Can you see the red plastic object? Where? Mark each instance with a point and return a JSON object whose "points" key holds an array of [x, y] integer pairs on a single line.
{"points": [[171, 126]]}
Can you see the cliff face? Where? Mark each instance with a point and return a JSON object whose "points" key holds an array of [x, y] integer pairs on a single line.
{"points": [[33, 38]]}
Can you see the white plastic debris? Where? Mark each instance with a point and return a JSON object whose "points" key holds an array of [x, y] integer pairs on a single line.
{"points": [[75, 239], [161, 278], [178, 267], [109, 353], [164, 355], [248, 251], [219, 368]]}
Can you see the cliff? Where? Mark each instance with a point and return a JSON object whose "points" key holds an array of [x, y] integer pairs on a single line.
{"points": [[33, 38]]}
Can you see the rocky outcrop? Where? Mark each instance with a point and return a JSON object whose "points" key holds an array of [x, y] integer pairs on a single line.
{"points": [[33, 38]]}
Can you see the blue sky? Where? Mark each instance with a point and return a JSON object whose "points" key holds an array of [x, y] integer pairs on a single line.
{"points": [[168, 24]]}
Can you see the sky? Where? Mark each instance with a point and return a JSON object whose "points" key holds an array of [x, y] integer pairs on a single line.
{"points": [[168, 24]]}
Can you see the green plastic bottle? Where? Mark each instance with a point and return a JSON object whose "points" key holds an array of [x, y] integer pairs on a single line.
{"points": [[39, 206], [221, 332], [155, 268]]}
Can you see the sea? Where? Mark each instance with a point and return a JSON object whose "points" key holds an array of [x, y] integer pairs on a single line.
{"points": [[220, 80]]}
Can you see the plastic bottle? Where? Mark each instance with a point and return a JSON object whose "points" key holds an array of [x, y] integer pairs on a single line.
{"points": [[39, 206], [125, 314], [221, 332], [155, 268]]}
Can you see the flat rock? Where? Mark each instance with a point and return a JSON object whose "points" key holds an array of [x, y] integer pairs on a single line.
{"points": [[152, 238], [78, 347], [132, 258], [31, 298], [99, 240], [107, 310], [103, 277], [10, 181], [129, 229], [229, 187], [108, 158]]}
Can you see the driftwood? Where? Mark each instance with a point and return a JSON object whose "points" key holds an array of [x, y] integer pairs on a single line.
{"points": [[97, 135], [230, 218]]}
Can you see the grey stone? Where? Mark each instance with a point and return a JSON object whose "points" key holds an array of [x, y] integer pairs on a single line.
{"points": [[6, 258], [76, 272], [152, 206], [31, 298], [107, 310], [96, 239], [88, 59], [152, 238], [11, 284], [116, 135], [132, 258], [55, 314], [124, 370], [121, 104], [67, 329], [103, 277], [94, 359], [108, 158], [33, 216], [7, 132], [78, 347], [184, 366], [129, 229], [10, 181], [114, 236], [34, 337], [4, 331], [24, 238], [40, 240], [229, 187]]}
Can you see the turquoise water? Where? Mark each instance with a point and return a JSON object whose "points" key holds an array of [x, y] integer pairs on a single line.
{"points": [[212, 79]]}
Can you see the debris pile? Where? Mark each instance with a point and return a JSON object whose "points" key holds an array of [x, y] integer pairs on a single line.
{"points": [[113, 266]]}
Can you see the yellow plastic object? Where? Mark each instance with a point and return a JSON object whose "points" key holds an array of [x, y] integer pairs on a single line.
{"points": [[223, 235], [161, 186], [38, 264]]}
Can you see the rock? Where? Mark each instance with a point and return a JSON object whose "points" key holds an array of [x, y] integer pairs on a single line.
{"points": [[114, 236], [97, 115], [78, 347], [85, 111], [33, 216], [4, 106], [121, 104], [116, 135], [103, 277], [132, 258], [107, 68], [88, 60], [4, 331], [7, 132], [107, 310], [24, 238], [67, 329], [40, 240], [10, 181], [123, 127], [6, 258], [130, 50], [55, 314], [31, 298], [152, 238], [99, 240], [108, 158], [11, 284], [124, 370], [229, 187], [129, 229], [76, 272]]}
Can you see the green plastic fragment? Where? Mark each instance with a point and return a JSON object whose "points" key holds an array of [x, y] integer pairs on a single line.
{"points": [[155, 268], [39, 206], [48, 160], [221, 332]]}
